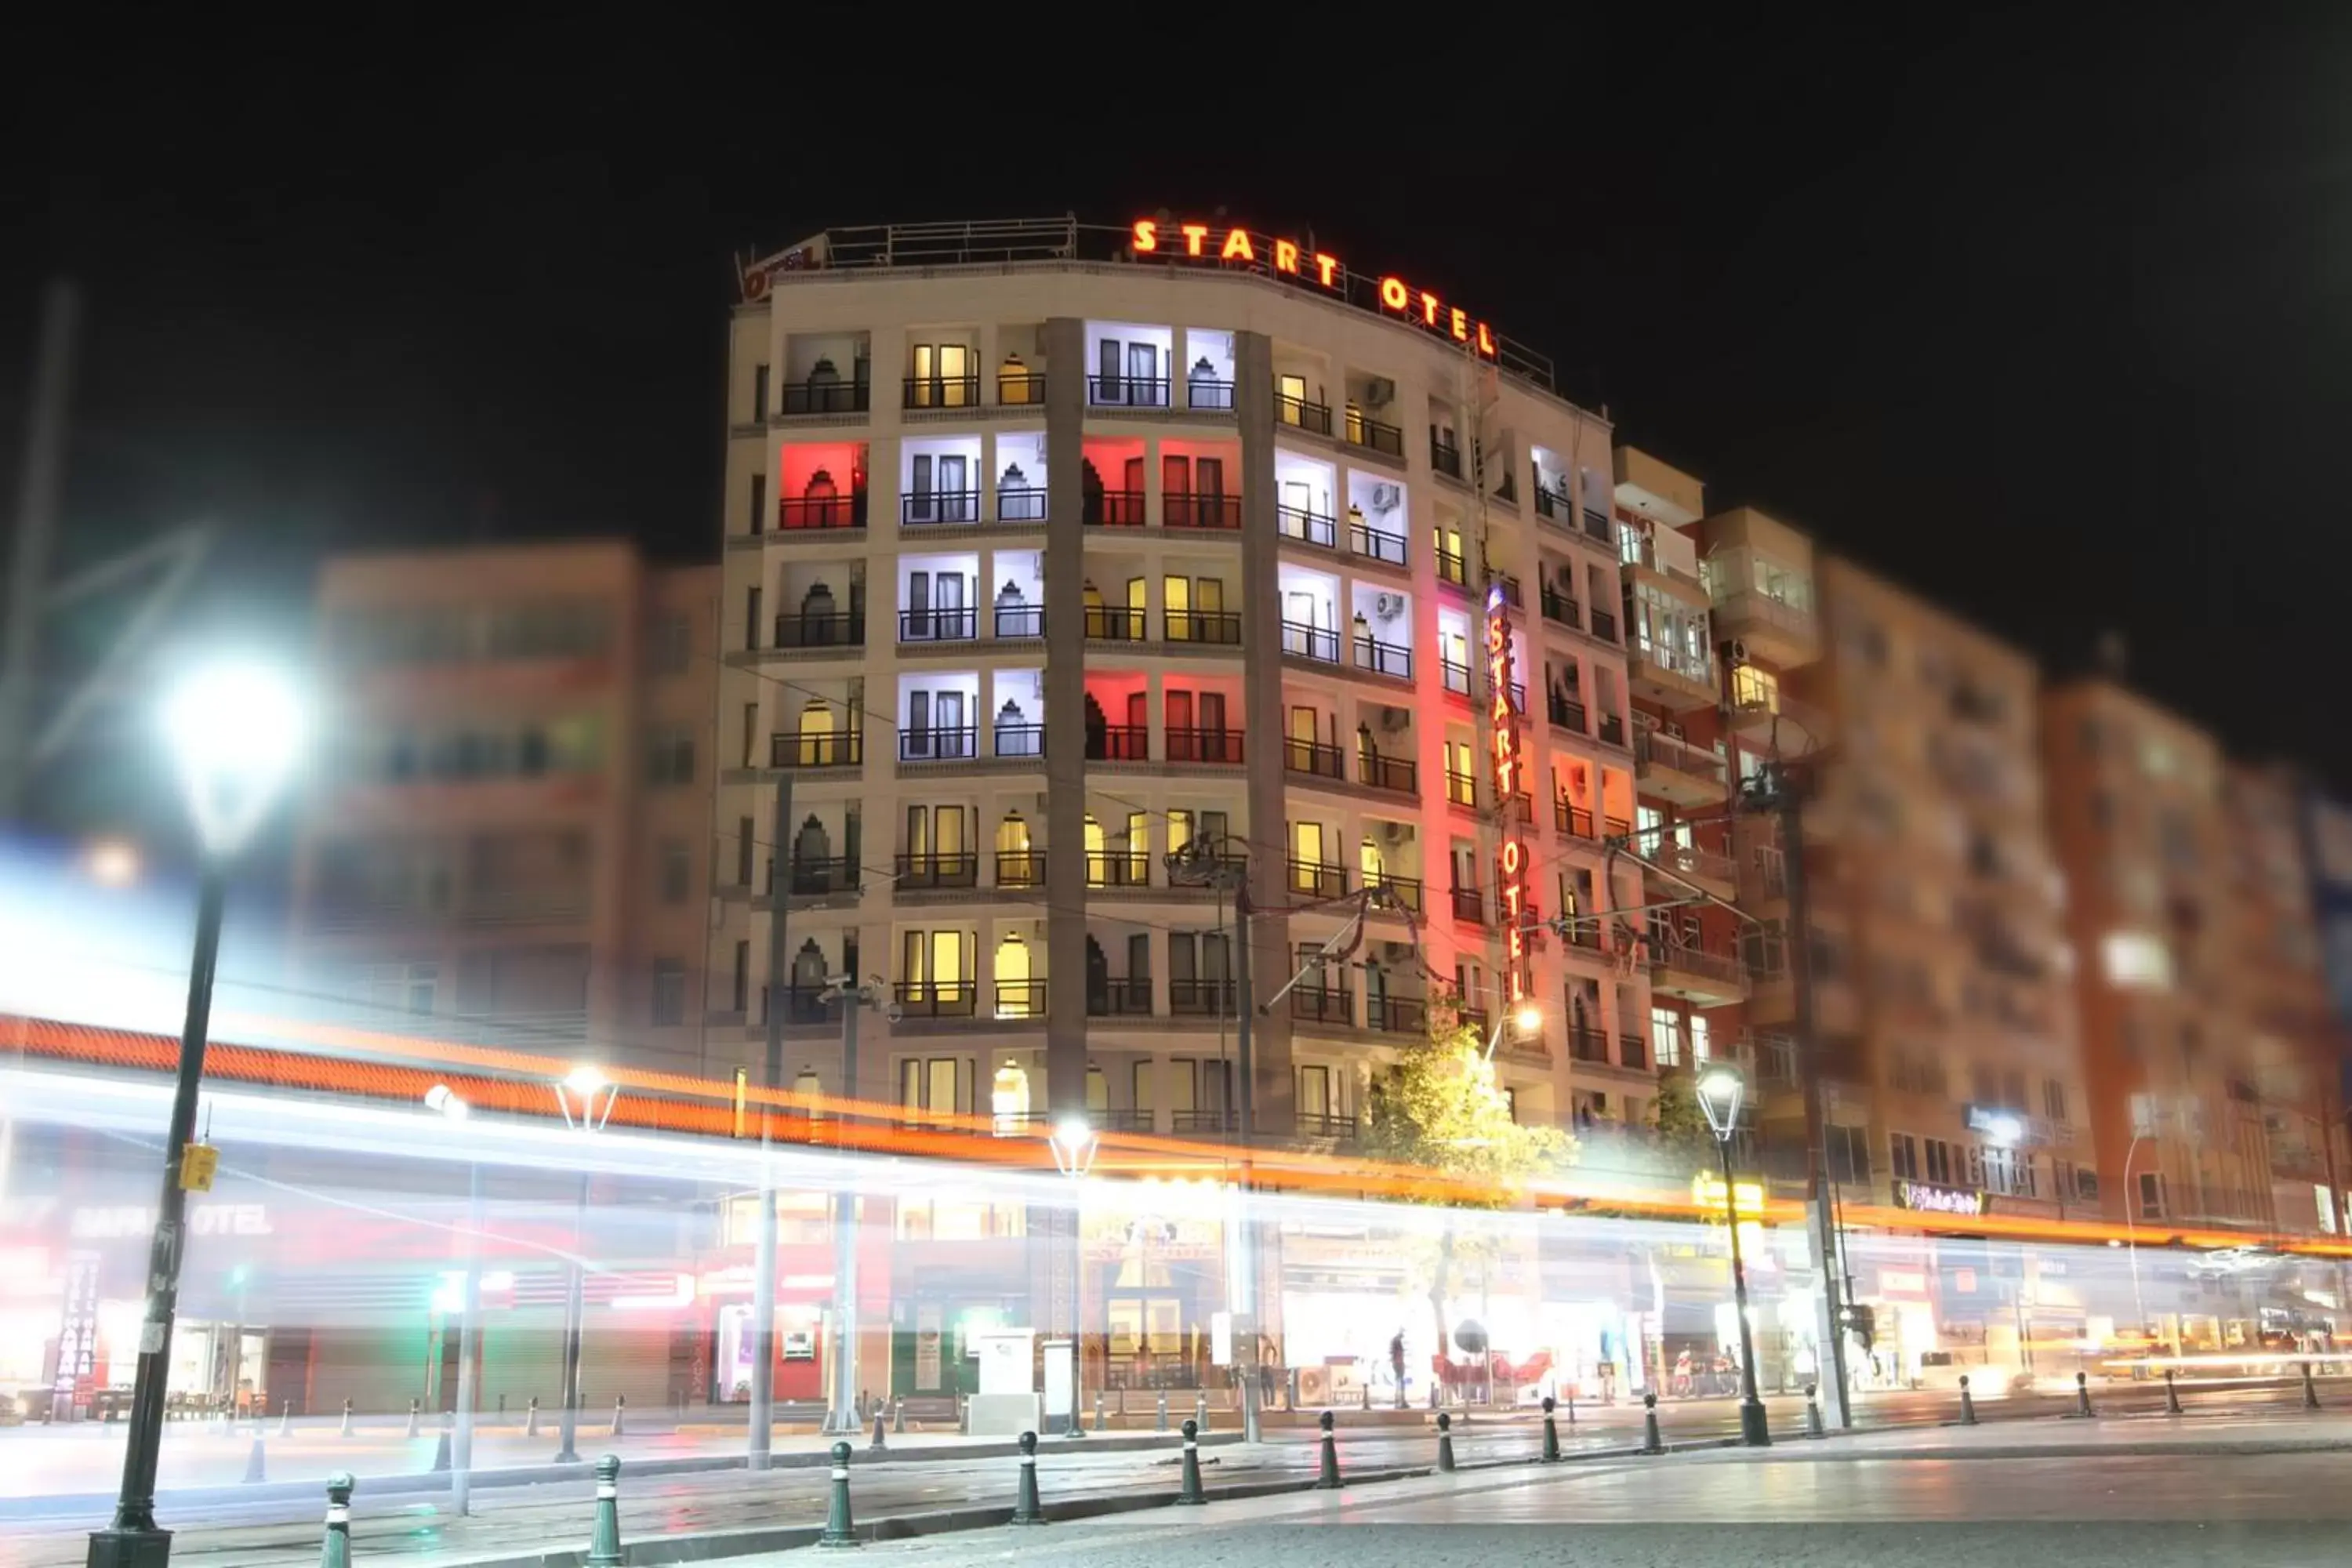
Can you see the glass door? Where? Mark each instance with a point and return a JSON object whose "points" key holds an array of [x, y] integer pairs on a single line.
{"points": [[1108, 387], [955, 505], [1143, 375], [955, 372]]}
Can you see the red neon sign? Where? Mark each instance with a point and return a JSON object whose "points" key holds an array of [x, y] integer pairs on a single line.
{"points": [[1512, 881], [1205, 242]]}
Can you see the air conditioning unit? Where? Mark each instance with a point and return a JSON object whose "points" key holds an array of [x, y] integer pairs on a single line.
{"points": [[1043, 798], [1395, 720], [1736, 651], [1392, 833], [1387, 496], [1388, 607], [1380, 392], [1395, 951]]}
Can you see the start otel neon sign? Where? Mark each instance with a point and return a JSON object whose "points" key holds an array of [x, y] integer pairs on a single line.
{"points": [[1206, 242], [1512, 871]]}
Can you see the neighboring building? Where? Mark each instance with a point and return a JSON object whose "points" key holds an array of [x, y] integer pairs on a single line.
{"points": [[1043, 558], [2327, 841], [508, 837]]}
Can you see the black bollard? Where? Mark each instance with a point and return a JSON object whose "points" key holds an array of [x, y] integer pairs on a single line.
{"points": [[838, 1529], [1651, 1442], [1327, 1476], [1027, 1509], [1367, 1396], [286, 1418], [502, 1409], [620, 1407], [964, 1415], [1571, 1410], [1163, 1411], [1812, 1410], [1098, 1411], [1968, 1403], [1189, 1490], [879, 1444], [1444, 1441], [530, 1417], [604, 1541], [2171, 1394], [898, 1415], [335, 1552], [415, 1408], [256, 1470], [347, 1418], [1551, 1433], [2310, 1389], [1201, 1410], [2081, 1394]]}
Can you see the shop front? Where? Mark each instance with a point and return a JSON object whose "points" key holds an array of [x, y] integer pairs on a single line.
{"points": [[1154, 1285]]}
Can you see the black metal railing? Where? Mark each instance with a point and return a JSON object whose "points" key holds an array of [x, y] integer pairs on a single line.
{"points": [[1124, 869], [1613, 729], [1301, 415], [809, 1003], [1021, 503], [1565, 712], [841, 749], [1322, 1124], [799, 513], [1205, 509], [1588, 1045], [1553, 503], [1604, 624], [1559, 608], [814, 877], [936, 743], [1119, 996], [1396, 1014], [1020, 998], [1453, 676], [1633, 1051], [1323, 1004], [1384, 658], [1198, 745], [827, 398], [1120, 744], [1570, 818], [1314, 759], [1470, 906], [1127, 392], [1512, 594], [1020, 620], [1461, 789], [1112, 508], [937, 998], [1114, 623], [939, 625], [1373, 435], [1318, 643], [1223, 627], [1309, 527], [1201, 997], [1020, 868], [1372, 543], [1445, 457], [1318, 881], [1020, 388], [1450, 568], [1018, 738], [927, 507], [1398, 775], [917, 872], [1206, 391], [1203, 1121], [1598, 524], [942, 392], [809, 628], [1406, 890]]}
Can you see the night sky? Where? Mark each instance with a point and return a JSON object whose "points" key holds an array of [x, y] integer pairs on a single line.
{"points": [[2042, 313]]}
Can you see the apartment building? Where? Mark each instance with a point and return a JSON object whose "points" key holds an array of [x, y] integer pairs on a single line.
{"points": [[1050, 550], [509, 837]]}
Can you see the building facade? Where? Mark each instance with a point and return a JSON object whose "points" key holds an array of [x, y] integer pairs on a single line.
{"points": [[507, 837]]}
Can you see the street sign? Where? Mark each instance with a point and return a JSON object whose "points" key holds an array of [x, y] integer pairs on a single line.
{"points": [[197, 1164]]}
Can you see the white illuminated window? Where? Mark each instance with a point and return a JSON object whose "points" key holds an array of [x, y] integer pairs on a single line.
{"points": [[2136, 959]]}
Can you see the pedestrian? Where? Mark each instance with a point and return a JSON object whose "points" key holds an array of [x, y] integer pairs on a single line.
{"points": [[1396, 1365], [1608, 1382]]}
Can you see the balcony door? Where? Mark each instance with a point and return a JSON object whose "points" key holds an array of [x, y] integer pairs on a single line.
{"points": [[1142, 372], [1110, 387], [941, 375]]}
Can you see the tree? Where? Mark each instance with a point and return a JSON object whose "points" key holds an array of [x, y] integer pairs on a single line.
{"points": [[1440, 1110], [1677, 1116]]}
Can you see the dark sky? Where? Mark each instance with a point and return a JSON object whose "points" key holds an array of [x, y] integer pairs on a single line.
{"points": [[2042, 312]]}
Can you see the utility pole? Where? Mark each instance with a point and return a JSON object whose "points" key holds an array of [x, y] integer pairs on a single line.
{"points": [[39, 484], [763, 1265], [842, 1416]]}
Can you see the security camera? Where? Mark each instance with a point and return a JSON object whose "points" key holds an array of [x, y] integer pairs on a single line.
{"points": [[841, 982], [893, 1012]]}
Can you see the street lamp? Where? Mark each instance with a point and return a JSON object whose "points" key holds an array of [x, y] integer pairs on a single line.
{"points": [[1720, 1090], [234, 729], [1075, 1144], [587, 1097], [445, 1102]]}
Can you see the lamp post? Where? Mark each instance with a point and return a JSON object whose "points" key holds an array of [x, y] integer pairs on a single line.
{"points": [[235, 731], [587, 1097], [841, 1410], [1075, 1144], [445, 1100], [1719, 1090]]}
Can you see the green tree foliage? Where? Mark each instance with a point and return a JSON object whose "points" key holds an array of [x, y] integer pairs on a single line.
{"points": [[1676, 1115]]}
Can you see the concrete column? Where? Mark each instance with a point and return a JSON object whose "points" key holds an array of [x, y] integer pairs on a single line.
{"points": [[1261, 611], [1065, 696]]}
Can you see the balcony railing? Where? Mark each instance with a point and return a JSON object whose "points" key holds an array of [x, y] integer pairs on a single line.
{"points": [[1462, 789], [940, 507], [1373, 435], [1113, 623], [1445, 457], [1613, 729], [1455, 678], [799, 513], [1020, 998], [813, 878], [1020, 867], [1570, 818], [942, 392], [1112, 508], [1314, 759], [938, 744], [1372, 543], [1512, 594], [1301, 415], [1202, 998], [1020, 620], [1127, 392], [1398, 775], [1661, 749], [1316, 880], [1322, 1124], [1020, 388], [1203, 510], [1599, 525], [826, 397], [1553, 503], [1307, 527], [1318, 643], [917, 872], [1018, 738], [800, 1004], [1223, 627], [1664, 846], [1198, 745], [939, 625], [1558, 608], [1450, 568], [1125, 870], [1021, 503], [937, 998], [1721, 967], [1470, 906], [1405, 890], [1323, 1005], [1604, 624], [1206, 391], [1633, 1051], [841, 749], [1203, 1120], [1384, 658], [841, 628], [1120, 744], [1588, 1045], [1565, 712], [1119, 996], [1396, 1014]]}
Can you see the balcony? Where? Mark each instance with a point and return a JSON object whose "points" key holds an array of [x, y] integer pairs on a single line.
{"points": [[1221, 627], [804, 1004], [1112, 623], [1208, 394], [1119, 996], [1396, 1014], [1461, 789], [1307, 527], [1404, 892], [1314, 879], [1313, 758], [1120, 744], [1559, 609], [1450, 568], [1373, 544], [1702, 978], [1396, 776], [820, 878], [1773, 631], [1197, 998], [1020, 867], [1453, 676], [1602, 623], [1222, 747], [942, 391], [845, 628], [1571, 819], [1769, 717], [1204, 1121], [953, 743], [1324, 1124], [1718, 873], [1127, 392], [802, 399], [1610, 730], [1320, 644], [1301, 415], [1014, 621], [929, 873], [1021, 388], [1017, 738], [1392, 659], [1566, 713], [940, 507], [1678, 681], [1445, 457], [1125, 870], [1599, 525], [1470, 906], [1373, 435], [1332, 1004], [1670, 768], [938, 626], [1201, 510], [1633, 1051], [1019, 999], [817, 514], [937, 998], [1021, 503], [1554, 505], [1112, 508], [840, 749], [1588, 1045]]}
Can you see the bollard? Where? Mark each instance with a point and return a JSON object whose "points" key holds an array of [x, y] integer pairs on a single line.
{"points": [[964, 1415], [502, 1409], [255, 1469], [838, 1529], [1367, 1396], [880, 1443], [1201, 1410], [604, 1545], [898, 1415], [2081, 1394], [441, 1454], [347, 1418], [2310, 1389], [286, 1418], [620, 1404], [1571, 1410], [1444, 1441], [1098, 1411], [1812, 1410], [1968, 1403], [1026, 1509], [531, 1419], [1551, 1433], [335, 1551], [1190, 1491], [414, 1407], [1163, 1411], [1327, 1476], [2171, 1396], [1651, 1442]]}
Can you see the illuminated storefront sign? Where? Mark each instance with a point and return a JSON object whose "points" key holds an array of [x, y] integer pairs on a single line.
{"points": [[1221, 244], [1924, 1199], [1512, 881]]}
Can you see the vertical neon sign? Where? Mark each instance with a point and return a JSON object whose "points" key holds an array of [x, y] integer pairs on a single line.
{"points": [[1511, 885]]}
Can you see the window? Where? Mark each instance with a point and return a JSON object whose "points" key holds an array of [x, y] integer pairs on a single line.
{"points": [[669, 643], [1902, 1155], [2007, 1171], [1702, 1047], [676, 871], [1940, 1163], [1759, 690], [669, 991], [2151, 1195], [1847, 1151], [400, 987], [2053, 1099], [740, 993], [1666, 1036], [758, 519], [933, 1083], [669, 756]]}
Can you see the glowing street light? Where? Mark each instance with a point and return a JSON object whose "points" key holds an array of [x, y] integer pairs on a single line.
{"points": [[1075, 1146], [1719, 1090], [234, 731], [1528, 1017]]}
